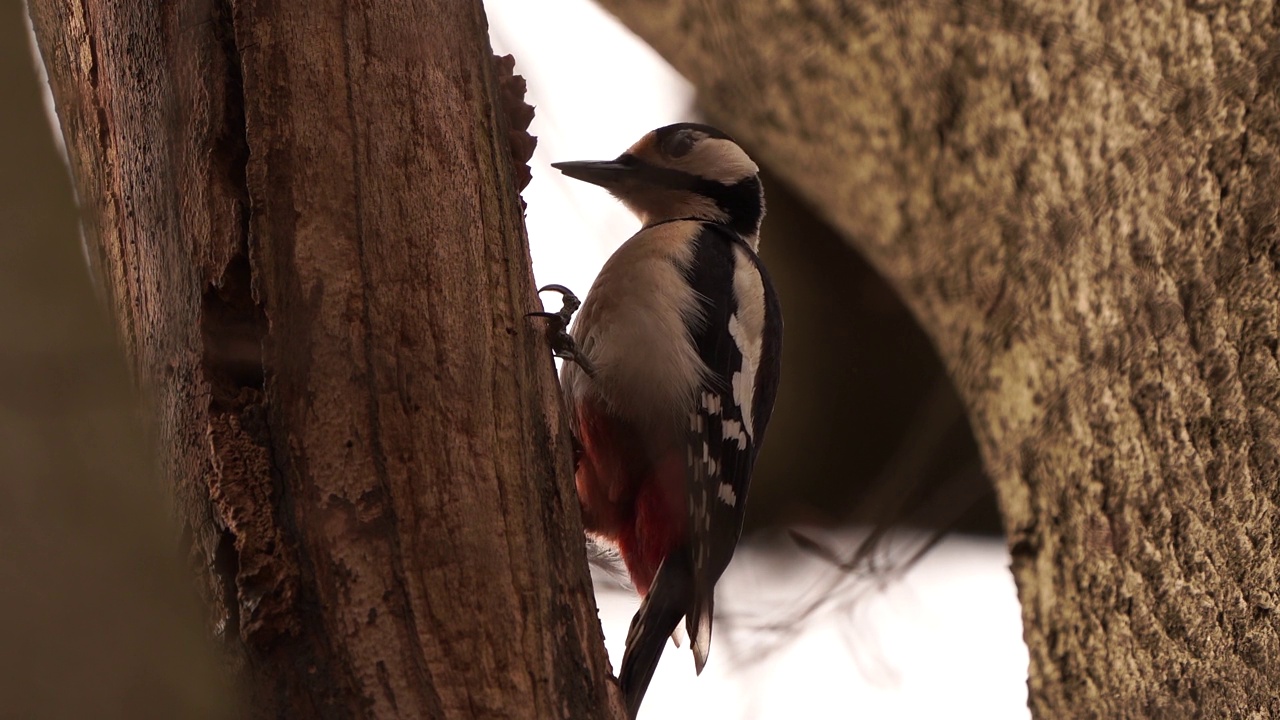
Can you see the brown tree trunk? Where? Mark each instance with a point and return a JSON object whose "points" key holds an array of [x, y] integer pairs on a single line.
{"points": [[305, 217], [1079, 203]]}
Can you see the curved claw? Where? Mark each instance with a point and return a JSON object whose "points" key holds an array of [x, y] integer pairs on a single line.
{"points": [[557, 288], [562, 343], [569, 302]]}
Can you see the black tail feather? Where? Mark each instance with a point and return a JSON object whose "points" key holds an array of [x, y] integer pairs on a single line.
{"points": [[669, 599]]}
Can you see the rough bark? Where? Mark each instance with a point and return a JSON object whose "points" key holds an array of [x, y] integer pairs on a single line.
{"points": [[1079, 204], [306, 220]]}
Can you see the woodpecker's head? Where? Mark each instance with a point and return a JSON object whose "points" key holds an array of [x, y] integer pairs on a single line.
{"points": [[681, 171]]}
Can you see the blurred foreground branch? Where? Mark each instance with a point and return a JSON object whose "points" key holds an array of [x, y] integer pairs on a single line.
{"points": [[96, 618], [1078, 203]]}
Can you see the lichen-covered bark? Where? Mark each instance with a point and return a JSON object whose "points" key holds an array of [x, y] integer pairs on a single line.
{"points": [[305, 217], [1079, 203]]}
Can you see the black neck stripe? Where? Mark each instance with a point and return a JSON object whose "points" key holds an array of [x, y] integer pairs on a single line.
{"points": [[742, 202]]}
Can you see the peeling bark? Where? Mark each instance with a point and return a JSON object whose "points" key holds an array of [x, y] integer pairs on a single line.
{"points": [[305, 219], [1078, 203]]}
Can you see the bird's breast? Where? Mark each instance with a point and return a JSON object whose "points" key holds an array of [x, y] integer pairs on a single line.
{"points": [[634, 328]]}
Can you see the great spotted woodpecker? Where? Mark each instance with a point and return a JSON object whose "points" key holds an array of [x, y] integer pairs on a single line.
{"points": [[675, 362]]}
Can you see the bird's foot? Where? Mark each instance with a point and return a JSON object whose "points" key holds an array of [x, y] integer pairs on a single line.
{"points": [[562, 343]]}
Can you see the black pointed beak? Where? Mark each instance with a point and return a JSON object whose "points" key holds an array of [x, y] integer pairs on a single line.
{"points": [[605, 173]]}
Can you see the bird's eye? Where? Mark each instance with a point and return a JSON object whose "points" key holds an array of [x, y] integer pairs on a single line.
{"points": [[679, 145]]}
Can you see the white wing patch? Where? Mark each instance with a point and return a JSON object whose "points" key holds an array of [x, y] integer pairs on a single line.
{"points": [[727, 495], [746, 327], [744, 380], [711, 401], [733, 431]]}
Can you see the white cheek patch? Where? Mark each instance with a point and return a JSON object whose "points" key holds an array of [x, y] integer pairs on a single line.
{"points": [[719, 160]]}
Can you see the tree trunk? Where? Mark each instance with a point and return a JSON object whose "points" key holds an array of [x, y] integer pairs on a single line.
{"points": [[1079, 205], [306, 219]]}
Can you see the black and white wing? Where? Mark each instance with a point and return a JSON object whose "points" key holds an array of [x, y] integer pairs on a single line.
{"points": [[739, 340]]}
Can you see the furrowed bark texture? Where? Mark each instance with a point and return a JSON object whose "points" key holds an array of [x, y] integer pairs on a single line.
{"points": [[306, 219], [1078, 201]]}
